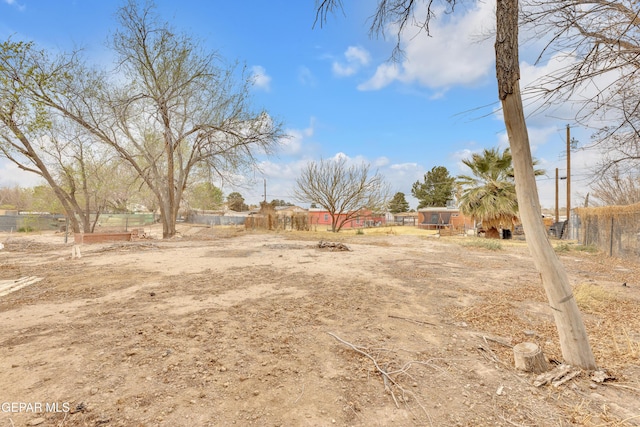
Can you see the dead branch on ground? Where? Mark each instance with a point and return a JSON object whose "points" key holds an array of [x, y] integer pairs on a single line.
{"points": [[419, 322], [387, 379]]}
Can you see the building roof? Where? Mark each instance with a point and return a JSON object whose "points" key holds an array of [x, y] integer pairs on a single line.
{"points": [[438, 209]]}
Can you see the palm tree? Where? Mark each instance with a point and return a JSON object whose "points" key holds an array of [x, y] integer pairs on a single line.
{"points": [[489, 196]]}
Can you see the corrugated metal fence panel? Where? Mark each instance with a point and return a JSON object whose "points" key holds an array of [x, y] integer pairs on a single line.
{"points": [[217, 219], [30, 222]]}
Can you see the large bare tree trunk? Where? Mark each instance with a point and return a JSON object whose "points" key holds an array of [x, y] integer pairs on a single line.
{"points": [[573, 336]]}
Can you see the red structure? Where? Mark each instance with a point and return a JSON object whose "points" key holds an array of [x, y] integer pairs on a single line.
{"points": [[322, 218]]}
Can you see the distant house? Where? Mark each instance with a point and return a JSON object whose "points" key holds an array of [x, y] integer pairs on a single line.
{"points": [[444, 218], [322, 217], [403, 218], [289, 210]]}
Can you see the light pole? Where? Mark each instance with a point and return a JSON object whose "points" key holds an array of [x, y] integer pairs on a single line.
{"points": [[557, 212], [571, 143], [568, 179]]}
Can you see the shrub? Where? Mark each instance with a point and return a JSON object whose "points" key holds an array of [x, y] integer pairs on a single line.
{"points": [[567, 247], [490, 244]]}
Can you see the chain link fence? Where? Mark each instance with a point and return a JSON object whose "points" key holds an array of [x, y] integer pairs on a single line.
{"points": [[30, 222], [615, 230], [41, 222]]}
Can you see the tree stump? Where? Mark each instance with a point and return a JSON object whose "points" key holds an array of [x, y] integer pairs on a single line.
{"points": [[529, 358]]}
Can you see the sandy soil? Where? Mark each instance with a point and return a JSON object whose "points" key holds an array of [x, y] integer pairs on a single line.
{"points": [[222, 327]]}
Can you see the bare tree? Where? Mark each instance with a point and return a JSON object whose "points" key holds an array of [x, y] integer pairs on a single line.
{"points": [[617, 189], [16, 198], [344, 191], [573, 337], [89, 172], [598, 42], [39, 139], [177, 109]]}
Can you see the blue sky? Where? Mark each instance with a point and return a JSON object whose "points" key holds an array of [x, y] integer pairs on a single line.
{"points": [[335, 88]]}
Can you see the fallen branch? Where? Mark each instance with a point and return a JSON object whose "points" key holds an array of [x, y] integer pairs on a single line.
{"points": [[300, 395], [385, 375], [502, 341], [626, 387], [419, 322], [387, 387], [560, 375], [387, 380]]}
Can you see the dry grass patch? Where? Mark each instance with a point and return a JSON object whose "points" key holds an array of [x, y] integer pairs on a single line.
{"points": [[592, 298], [612, 322], [614, 325], [477, 242]]}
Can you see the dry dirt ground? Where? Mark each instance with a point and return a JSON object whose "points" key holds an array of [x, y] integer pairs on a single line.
{"points": [[227, 327]]}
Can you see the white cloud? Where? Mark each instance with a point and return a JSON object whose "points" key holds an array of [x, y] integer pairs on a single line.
{"points": [[340, 156], [357, 55], [380, 162], [20, 7], [282, 170], [461, 155], [306, 77], [385, 74], [261, 79], [356, 58], [293, 144], [11, 175], [402, 176], [453, 56], [403, 166]]}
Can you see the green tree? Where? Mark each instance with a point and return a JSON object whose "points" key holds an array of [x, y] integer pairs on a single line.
{"points": [[45, 200], [436, 190], [344, 191], [489, 194], [235, 202], [205, 196], [27, 124], [398, 203], [170, 108]]}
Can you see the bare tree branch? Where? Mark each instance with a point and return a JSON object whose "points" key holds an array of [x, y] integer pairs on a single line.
{"points": [[344, 191]]}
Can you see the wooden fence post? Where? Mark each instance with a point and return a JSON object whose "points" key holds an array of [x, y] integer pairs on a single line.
{"points": [[611, 238]]}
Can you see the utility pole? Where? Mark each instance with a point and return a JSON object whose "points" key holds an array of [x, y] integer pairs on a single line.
{"points": [[557, 209], [568, 180], [265, 189]]}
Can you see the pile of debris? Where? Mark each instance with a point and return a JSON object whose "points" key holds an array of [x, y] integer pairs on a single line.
{"points": [[333, 246]]}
